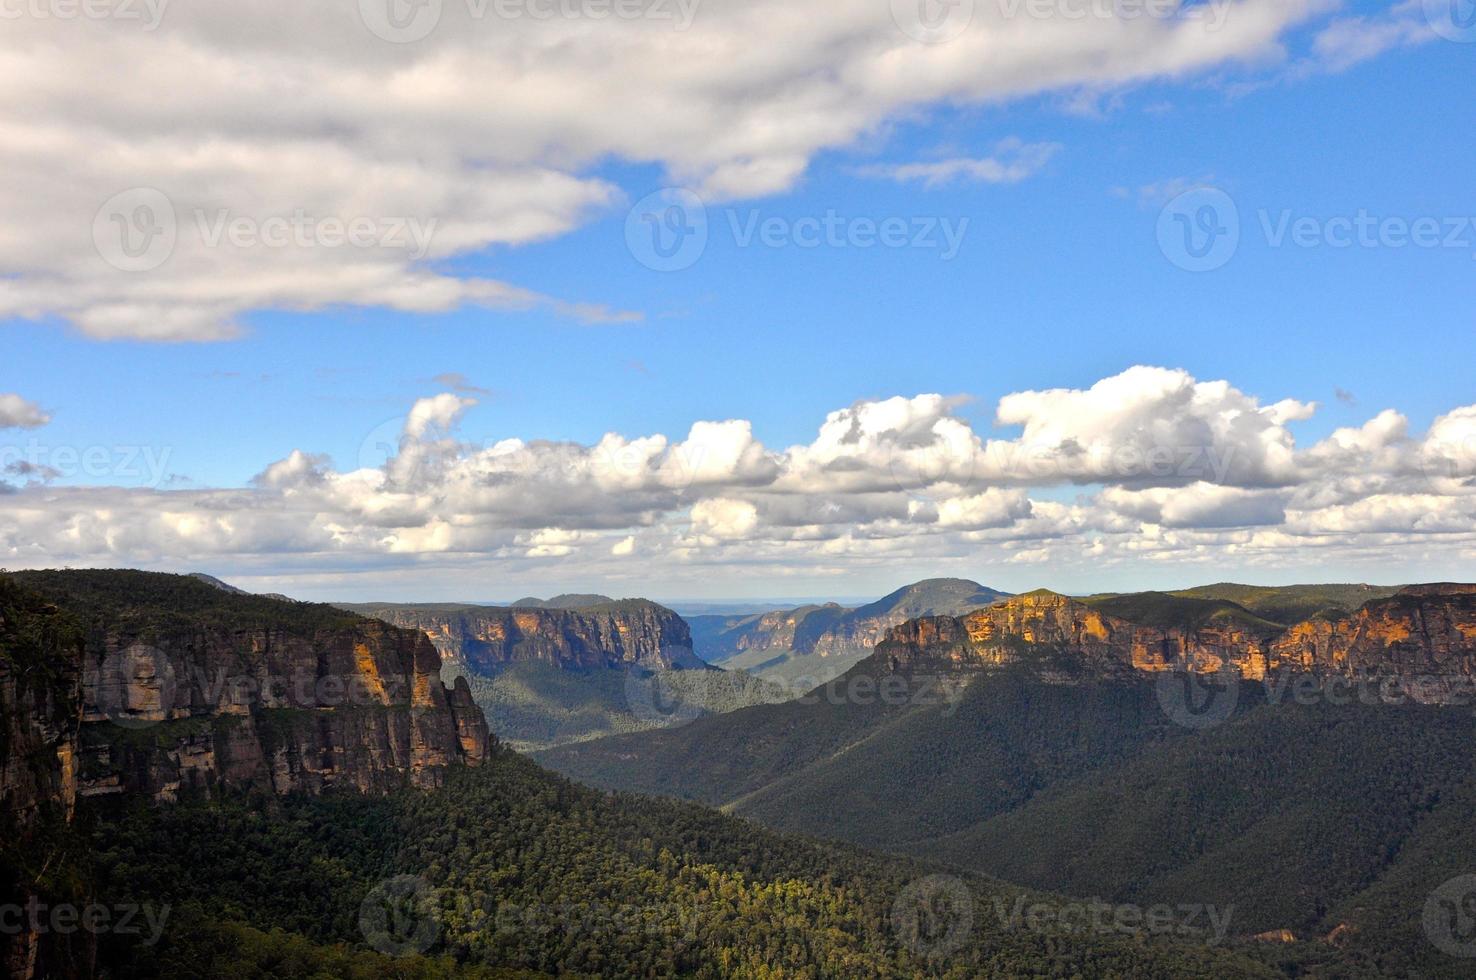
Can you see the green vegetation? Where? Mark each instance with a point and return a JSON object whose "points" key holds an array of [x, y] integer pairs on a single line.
{"points": [[1304, 817], [155, 603], [1174, 611], [533, 705], [1293, 603], [522, 870]]}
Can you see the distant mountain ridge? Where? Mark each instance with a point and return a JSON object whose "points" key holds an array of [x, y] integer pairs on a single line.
{"points": [[574, 667], [811, 644], [1057, 760], [588, 636], [571, 600], [1416, 630]]}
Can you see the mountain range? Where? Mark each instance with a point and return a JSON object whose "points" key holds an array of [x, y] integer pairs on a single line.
{"points": [[1062, 743], [191, 757], [808, 645]]}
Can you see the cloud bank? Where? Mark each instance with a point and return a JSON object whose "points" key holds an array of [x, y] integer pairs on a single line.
{"points": [[173, 167], [1150, 465]]}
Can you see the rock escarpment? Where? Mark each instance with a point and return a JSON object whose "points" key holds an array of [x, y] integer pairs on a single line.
{"points": [[116, 683], [1428, 630], [176, 686], [625, 633]]}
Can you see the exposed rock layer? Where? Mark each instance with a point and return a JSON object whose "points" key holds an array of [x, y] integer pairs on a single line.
{"points": [[617, 634], [1427, 630], [210, 690]]}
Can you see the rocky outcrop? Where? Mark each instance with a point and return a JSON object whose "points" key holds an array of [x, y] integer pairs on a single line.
{"points": [[193, 689], [630, 632], [1423, 630], [40, 708], [158, 685]]}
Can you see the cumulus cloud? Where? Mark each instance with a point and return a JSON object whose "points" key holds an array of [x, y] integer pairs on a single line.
{"points": [[1090, 476], [17, 413], [165, 179]]}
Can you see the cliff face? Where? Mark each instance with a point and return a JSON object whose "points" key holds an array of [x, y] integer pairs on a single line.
{"points": [[618, 634], [1421, 630], [125, 682], [40, 708], [207, 690]]}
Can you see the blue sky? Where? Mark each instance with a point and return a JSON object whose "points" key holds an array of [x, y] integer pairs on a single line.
{"points": [[1059, 282]]}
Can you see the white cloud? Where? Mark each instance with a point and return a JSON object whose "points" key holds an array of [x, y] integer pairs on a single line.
{"points": [[249, 140], [17, 413], [1012, 162], [890, 483]]}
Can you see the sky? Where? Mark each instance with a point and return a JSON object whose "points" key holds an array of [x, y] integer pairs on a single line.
{"points": [[715, 300]]}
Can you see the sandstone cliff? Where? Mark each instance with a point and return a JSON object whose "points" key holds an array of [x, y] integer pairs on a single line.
{"points": [[630, 632], [1425, 630], [130, 683], [178, 686]]}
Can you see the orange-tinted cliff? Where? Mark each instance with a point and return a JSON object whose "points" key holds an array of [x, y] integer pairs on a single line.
{"points": [[176, 686], [1421, 630]]}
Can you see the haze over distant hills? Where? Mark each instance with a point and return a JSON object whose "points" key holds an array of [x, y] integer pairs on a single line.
{"points": [[808, 645]]}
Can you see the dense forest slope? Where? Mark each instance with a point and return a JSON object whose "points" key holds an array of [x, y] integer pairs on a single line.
{"points": [[1061, 755], [511, 867]]}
